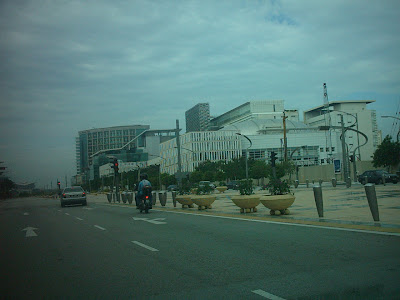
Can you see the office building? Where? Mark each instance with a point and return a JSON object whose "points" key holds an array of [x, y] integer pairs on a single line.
{"points": [[355, 116], [198, 117]]}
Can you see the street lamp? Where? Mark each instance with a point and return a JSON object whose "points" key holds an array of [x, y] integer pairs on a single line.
{"points": [[398, 133], [251, 143]]}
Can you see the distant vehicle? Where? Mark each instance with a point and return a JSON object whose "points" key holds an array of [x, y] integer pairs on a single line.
{"points": [[233, 185], [375, 176], [172, 187], [73, 195], [204, 183]]}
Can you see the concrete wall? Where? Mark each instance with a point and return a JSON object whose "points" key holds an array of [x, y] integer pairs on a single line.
{"points": [[326, 172]]}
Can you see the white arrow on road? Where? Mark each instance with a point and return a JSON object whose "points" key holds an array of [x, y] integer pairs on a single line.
{"points": [[26, 214], [152, 221], [30, 231]]}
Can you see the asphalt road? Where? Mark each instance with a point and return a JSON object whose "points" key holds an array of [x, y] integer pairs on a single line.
{"points": [[102, 251]]}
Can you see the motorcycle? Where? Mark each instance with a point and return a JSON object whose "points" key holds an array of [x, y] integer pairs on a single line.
{"points": [[145, 201]]}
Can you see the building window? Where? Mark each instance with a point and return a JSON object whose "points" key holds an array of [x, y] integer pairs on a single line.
{"points": [[321, 149], [322, 161], [333, 149], [112, 133], [327, 149]]}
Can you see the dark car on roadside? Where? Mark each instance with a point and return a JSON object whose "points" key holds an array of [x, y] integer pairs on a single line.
{"points": [[233, 185], [376, 176], [73, 195]]}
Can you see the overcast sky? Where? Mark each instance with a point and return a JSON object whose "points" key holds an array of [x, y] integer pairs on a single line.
{"points": [[74, 65]]}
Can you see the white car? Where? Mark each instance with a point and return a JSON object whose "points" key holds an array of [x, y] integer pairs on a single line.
{"points": [[73, 195]]}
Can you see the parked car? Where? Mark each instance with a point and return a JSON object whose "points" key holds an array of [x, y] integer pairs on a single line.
{"points": [[172, 187], [203, 183], [73, 195], [375, 176], [233, 185]]}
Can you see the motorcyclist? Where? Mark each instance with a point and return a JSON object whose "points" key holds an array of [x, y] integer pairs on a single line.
{"points": [[143, 182]]}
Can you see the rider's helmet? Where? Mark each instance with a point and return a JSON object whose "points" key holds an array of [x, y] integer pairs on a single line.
{"points": [[143, 176]]}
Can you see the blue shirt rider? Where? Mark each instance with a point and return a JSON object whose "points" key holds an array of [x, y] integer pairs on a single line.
{"points": [[143, 182]]}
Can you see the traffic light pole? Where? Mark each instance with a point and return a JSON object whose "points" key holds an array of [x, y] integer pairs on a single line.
{"points": [[344, 152]]}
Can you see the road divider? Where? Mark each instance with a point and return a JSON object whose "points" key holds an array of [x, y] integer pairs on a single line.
{"points": [[144, 246], [267, 295], [99, 227]]}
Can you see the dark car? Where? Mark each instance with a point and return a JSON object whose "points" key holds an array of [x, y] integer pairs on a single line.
{"points": [[172, 187], [73, 195], [233, 185], [376, 176]]}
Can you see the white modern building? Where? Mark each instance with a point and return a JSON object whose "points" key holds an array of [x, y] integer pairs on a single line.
{"points": [[197, 147], [305, 144], [355, 116], [264, 109]]}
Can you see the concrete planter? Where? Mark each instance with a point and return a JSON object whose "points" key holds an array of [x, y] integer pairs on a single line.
{"points": [[185, 200], [221, 189], [203, 201], [247, 203], [278, 204]]}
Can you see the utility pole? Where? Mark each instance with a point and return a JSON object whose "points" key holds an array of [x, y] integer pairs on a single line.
{"points": [[284, 137], [344, 151], [178, 145]]}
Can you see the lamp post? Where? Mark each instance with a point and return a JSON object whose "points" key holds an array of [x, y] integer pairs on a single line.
{"points": [[251, 143], [398, 133]]}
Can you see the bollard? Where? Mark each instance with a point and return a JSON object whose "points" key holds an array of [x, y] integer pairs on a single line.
{"points": [[162, 196], [174, 198], [130, 197], [334, 182], [154, 198], [320, 182], [348, 182], [307, 182], [383, 179], [296, 183], [365, 179], [123, 196], [109, 197], [118, 197], [113, 197], [313, 181], [372, 201], [318, 200]]}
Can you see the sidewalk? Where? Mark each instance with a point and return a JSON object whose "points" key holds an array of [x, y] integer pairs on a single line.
{"points": [[342, 206]]}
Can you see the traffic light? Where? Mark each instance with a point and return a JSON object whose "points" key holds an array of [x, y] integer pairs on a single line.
{"points": [[115, 166], [352, 158], [273, 158], [59, 184]]}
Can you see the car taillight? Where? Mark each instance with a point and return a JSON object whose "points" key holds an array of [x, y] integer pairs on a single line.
{"points": [[83, 194], [64, 196], [147, 197]]}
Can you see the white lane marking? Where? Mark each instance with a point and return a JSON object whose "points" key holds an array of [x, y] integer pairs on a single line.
{"points": [[26, 214], [79, 219], [267, 295], [288, 224], [59, 210], [153, 221], [88, 208], [67, 214], [30, 231], [144, 246], [99, 227]]}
